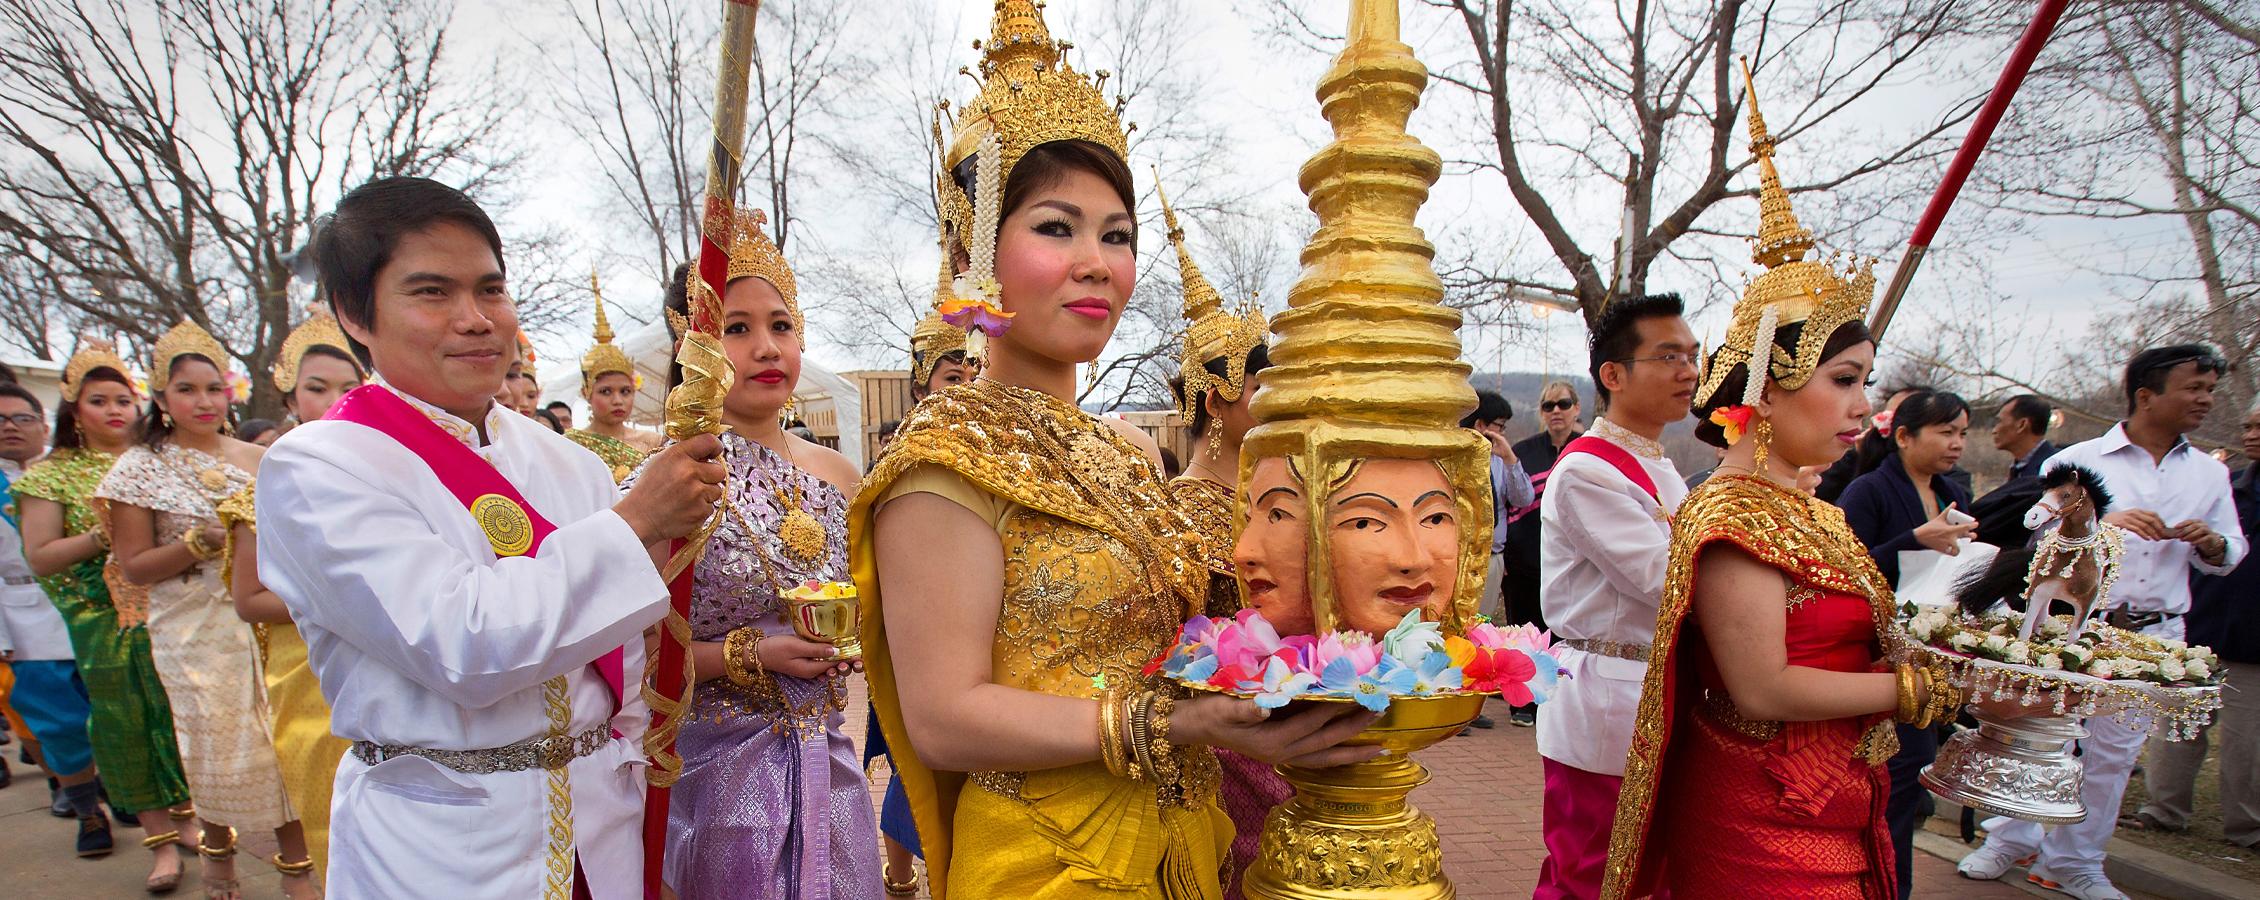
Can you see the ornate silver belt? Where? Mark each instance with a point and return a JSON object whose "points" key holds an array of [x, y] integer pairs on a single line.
{"points": [[1614, 649], [537, 753]]}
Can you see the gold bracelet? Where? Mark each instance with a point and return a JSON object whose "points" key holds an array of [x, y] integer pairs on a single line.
{"points": [[1909, 705], [1141, 737], [193, 539], [1945, 698], [101, 538], [1110, 732], [738, 647], [1166, 771]]}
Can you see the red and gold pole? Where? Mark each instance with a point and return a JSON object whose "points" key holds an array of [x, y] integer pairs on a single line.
{"points": [[693, 408]]}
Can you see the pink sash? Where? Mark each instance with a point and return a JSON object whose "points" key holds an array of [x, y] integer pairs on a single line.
{"points": [[1615, 456], [465, 474]]}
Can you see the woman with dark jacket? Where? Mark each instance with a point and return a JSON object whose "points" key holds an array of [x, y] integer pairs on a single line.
{"points": [[1901, 505]]}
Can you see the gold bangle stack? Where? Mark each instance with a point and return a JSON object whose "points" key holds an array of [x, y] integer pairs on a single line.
{"points": [[1911, 697], [1926, 695], [1113, 745], [193, 538], [741, 656]]}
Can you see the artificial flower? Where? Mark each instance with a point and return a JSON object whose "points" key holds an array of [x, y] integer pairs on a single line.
{"points": [[1281, 684], [1436, 674], [1734, 420], [1506, 671], [1413, 638], [970, 314], [1882, 421], [1459, 649], [1547, 673], [1388, 678]]}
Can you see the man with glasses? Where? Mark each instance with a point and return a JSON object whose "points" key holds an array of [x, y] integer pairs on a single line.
{"points": [[1604, 544], [2175, 500]]}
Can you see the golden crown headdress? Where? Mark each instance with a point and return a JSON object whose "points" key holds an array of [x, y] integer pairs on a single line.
{"points": [[934, 337], [754, 255], [606, 357], [93, 353], [183, 340], [1029, 97], [525, 356], [1793, 289], [319, 330], [1211, 332]]}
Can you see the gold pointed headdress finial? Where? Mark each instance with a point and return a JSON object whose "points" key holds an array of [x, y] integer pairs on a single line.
{"points": [[185, 339], [1792, 291], [605, 357], [754, 255], [1211, 332], [319, 330], [93, 353]]}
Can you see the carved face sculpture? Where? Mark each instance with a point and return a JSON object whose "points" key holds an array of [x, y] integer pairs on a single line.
{"points": [[1393, 536], [1273, 551], [1394, 533]]}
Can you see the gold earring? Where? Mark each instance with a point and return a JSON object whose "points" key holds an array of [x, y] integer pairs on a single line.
{"points": [[785, 415], [1764, 438], [1091, 379], [1215, 441]]}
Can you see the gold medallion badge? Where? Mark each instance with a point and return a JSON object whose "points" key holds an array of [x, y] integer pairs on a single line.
{"points": [[803, 537], [505, 524]]}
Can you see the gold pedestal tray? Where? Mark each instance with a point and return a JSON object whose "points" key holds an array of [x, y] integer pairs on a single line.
{"points": [[1350, 833]]}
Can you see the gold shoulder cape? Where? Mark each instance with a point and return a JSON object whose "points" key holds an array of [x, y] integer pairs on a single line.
{"points": [[622, 457], [1208, 506], [1802, 536], [1041, 453]]}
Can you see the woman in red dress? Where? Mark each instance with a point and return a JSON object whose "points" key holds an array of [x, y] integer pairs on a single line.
{"points": [[1757, 760]]}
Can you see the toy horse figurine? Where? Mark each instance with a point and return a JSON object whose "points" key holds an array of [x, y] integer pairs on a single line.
{"points": [[2073, 562]]}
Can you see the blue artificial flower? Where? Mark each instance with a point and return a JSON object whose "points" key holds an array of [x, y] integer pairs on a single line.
{"points": [[1281, 685], [1437, 674], [1388, 679], [1549, 675]]}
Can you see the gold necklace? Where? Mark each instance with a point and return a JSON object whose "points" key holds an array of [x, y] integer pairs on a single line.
{"points": [[798, 532], [790, 718]]}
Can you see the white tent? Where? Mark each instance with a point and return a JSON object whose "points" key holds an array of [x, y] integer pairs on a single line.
{"points": [[825, 399]]}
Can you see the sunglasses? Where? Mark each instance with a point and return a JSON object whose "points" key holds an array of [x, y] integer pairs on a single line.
{"points": [[1553, 405]]}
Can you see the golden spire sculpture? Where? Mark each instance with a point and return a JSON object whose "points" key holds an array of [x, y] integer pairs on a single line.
{"points": [[1366, 366]]}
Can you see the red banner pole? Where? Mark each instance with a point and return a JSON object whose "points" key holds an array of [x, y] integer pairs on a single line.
{"points": [[669, 667], [1965, 159]]}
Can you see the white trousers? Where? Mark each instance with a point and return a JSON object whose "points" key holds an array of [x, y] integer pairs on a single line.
{"points": [[2107, 758]]}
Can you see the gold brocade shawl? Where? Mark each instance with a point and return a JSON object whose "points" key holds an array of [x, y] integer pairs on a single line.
{"points": [[1099, 576], [1208, 506], [1802, 536]]}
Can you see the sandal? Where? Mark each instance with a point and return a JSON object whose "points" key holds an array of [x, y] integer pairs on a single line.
{"points": [[906, 888], [302, 869], [219, 888], [169, 883]]}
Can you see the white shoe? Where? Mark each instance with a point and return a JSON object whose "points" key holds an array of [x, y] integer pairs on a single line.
{"points": [[2084, 885], [1986, 863]]}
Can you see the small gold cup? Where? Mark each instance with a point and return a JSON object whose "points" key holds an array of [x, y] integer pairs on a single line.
{"points": [[827, 612]]}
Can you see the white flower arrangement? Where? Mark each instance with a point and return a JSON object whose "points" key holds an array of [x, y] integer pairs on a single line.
{"points": [[2101, 651]]}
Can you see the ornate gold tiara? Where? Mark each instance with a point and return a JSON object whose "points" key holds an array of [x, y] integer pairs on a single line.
{"points": [[606, 357], [754, 255], [93, 353], [319, 330], [184, 339], [1211, 332]]}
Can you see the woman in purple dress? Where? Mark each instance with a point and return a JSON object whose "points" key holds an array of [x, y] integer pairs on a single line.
{"points": [[772, 802]]}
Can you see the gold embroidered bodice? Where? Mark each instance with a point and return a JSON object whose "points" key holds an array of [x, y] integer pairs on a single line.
{"points": [[1101, 568], [621, 456]]}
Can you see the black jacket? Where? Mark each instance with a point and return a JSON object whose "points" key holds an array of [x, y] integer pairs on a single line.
{"points": [[1884, 510], [2224, 610], [2001, 512], [1872, 450]]}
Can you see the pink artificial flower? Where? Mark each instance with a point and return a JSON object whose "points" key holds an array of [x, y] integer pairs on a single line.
{"points": [[1734, 420], [991, 319], [1506, 671]]}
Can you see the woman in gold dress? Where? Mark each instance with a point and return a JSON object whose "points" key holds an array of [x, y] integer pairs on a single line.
{"points": [[1217, 376], [1034, 559], [608, 383], [163, 497], [314, 369], [1758, 752]]}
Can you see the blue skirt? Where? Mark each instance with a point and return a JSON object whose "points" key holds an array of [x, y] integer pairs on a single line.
{"points": [[52, 700]]}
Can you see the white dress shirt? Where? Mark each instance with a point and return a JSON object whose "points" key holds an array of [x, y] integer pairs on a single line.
{"points": [[422, 637], [2186, 484], [1602, 557], [30, 626]]}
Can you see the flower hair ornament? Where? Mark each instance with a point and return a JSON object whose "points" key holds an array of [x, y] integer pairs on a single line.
{"points": [[1735, 419], [975, 294]]}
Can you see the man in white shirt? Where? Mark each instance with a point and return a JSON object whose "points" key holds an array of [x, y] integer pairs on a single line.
{"points": [[2175, 500], [1606, 522], [483, 662]]}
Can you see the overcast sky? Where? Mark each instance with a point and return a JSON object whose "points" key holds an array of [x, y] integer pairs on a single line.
{"points": [[1264, 89]]}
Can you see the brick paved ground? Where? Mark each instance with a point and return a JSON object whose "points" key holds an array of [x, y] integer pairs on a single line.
{"points": [[1483, 792]]}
